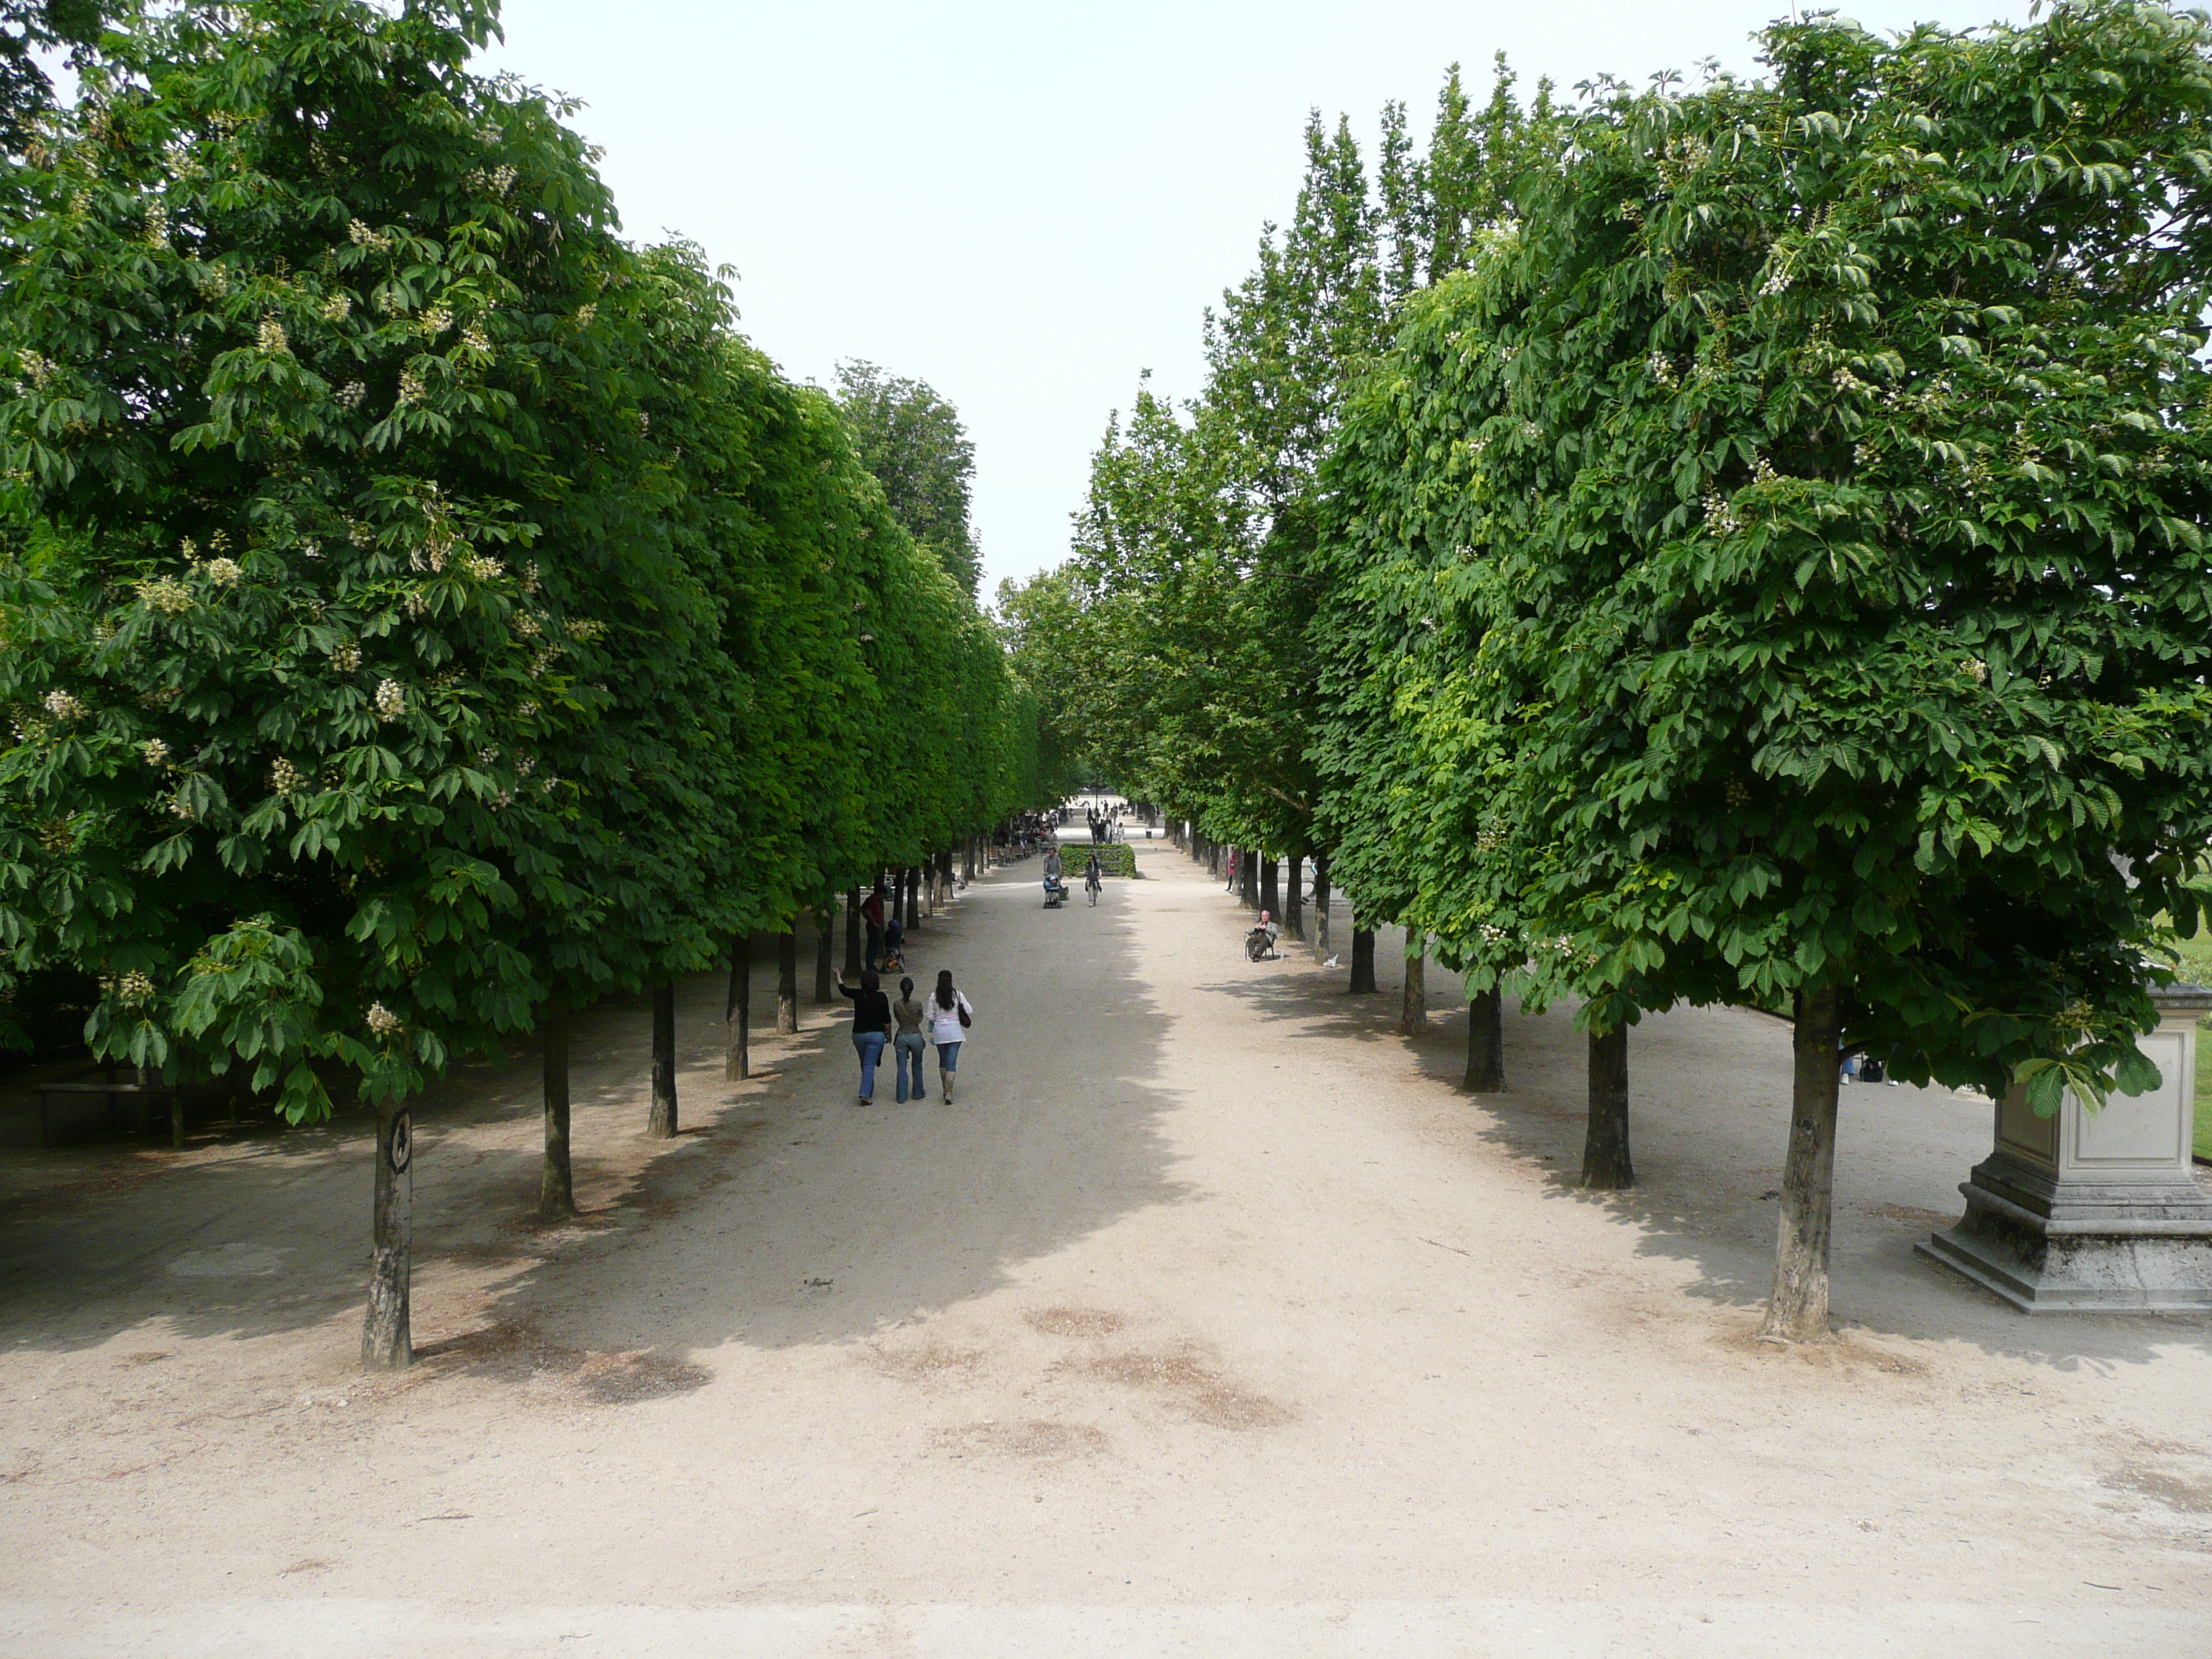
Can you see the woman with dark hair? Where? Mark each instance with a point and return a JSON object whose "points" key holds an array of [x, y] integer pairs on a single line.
{"points": [[950, 1017], [872, 1028], [908, 1046]]}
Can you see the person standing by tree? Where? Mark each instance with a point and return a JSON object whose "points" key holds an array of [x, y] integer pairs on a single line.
{"points": [[872, 1028], [872, 911], [950, 1015], [909, 1043]]}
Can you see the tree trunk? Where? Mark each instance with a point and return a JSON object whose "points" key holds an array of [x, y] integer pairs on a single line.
{"points": [[1294, 901], [1414, 1009], [824, 970], [1605, 1143], [1486, 1043], [1213, 858], [738, 1062], [556, 1184], [913, 897], [853, 932], [1320, 908], [1270, 894], [386, 1342], [1798, 1310], [1248, 878], [1363, 957], [887, 903], [661, 1123], [787, 979]]}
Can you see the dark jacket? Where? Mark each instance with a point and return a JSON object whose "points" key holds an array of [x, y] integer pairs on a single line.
{"points": [[871, 1010]]}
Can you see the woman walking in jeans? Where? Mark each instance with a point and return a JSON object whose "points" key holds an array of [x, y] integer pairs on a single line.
{"points": [[950, 1015], [872, 1029], [909, 1043]]}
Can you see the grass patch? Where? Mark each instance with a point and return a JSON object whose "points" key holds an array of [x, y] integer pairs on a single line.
{"points": [[2204, 1136], [2196, 966]]}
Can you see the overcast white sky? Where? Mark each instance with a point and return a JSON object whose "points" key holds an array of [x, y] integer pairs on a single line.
{"points": [[1024, 205]]}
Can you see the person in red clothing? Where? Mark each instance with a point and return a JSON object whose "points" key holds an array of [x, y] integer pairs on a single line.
{"points": [[872, 911]]}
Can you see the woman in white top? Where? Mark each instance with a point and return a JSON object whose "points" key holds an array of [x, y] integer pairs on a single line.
{"points": [[949, 1013]]}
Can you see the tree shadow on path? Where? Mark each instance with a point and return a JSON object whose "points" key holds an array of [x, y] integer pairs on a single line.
{"points": [[1710, 1115], [786, 1214]]}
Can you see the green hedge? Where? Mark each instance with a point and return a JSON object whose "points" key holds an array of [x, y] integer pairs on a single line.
{"points": [[1115, 858]]}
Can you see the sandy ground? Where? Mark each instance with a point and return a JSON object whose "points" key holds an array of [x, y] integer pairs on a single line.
{"points": [[1211, 1321]]}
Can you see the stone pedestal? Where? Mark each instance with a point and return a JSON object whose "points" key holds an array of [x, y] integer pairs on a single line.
{"points": [[2089, 1212]]}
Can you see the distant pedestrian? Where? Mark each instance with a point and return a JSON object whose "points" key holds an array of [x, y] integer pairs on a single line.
{"points": [[1233, 870], [950, 1015], [872, 1028], [872, 911], [909, 1043]]}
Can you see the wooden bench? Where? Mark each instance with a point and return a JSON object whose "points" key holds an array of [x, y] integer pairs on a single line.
{"points": [[105, 1081]]}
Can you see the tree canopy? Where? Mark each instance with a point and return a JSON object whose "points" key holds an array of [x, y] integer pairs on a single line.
{"points": [[1740, 542], [1774, 572], [911, 441], [419, 601]]}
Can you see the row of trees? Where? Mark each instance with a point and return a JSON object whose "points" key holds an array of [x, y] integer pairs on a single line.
{"points": [[422, 613], [1765, 563]]}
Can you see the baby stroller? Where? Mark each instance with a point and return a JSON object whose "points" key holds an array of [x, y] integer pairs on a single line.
{"points": [[1055, 892]]}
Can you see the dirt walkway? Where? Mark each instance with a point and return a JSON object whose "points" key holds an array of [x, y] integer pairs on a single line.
{"points": [[1210, 1321]]}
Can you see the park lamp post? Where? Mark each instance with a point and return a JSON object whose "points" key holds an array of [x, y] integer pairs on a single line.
{"points": [[2098, 1212]]}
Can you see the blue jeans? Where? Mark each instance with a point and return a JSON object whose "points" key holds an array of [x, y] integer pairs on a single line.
{"points": [[909, 1046], [870, 1046], [948, 1057]]}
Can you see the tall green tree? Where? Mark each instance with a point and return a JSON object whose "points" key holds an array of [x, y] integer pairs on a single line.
{"points": [[1821, 551], [421, 609], [911, 441], [1040, 625], [1247, 721]]}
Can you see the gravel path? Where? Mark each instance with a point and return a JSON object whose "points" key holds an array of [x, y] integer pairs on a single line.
{"points": [[1210, 1321]]}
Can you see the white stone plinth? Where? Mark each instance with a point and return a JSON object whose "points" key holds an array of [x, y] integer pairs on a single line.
{"points": [[2088, 1212]]}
